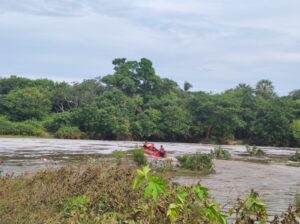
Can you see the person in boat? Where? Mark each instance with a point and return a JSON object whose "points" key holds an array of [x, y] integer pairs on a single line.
{"points": [[162, 151], [152, 147], [145, 145]]}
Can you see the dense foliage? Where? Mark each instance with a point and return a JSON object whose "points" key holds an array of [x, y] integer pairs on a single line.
{"points": [[135, 103]]}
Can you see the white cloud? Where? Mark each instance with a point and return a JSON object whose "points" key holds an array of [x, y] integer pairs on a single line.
{"points": [[214, 44]]}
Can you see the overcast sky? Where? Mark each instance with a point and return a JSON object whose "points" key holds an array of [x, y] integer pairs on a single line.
{"points": [[213, 44]]}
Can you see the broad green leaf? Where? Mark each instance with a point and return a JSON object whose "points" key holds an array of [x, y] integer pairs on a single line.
{"points": [[141, 176], [155, 187]]}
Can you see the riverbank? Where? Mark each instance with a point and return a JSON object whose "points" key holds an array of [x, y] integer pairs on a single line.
{"points": [[94, 192]]}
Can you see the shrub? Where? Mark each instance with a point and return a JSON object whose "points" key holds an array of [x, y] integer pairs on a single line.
{"points": [[58, 120], [139, 157], [255, 151], [28, 128], [296, 157], [197, 161], [250, 210], [68, 133], [118, 155], [220, 153]]}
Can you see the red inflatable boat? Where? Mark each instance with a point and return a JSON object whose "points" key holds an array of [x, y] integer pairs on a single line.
{"points": [[155, 153]]}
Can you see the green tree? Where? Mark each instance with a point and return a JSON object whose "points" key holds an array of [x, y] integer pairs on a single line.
{"points": [[109, 119], [146, 124], [86, 92], [28, 103], [176, 123], [272, 122], [295, 126], [14, 82], [265, 88], [215, 114], [62, 98], [244, 95], [295, 94], [134, 77], [187, 86]]}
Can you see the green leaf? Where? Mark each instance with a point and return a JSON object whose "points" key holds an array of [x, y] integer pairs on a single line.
{"points": [[141, 176], [201, 192], [181, 195], [215, 215], [173, 211], [155, 187]]}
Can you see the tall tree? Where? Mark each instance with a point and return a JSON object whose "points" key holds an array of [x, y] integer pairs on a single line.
{"points": [[215, 114], [265, 88], [187, 86]]}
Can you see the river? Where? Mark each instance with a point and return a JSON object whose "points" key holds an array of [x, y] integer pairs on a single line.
{"points": [[276, 183]]}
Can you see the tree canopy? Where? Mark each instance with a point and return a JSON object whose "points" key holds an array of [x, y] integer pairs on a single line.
{"points": [[134, 102]]}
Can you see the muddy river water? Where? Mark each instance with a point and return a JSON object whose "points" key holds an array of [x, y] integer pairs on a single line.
{"points": [[276, 182]]}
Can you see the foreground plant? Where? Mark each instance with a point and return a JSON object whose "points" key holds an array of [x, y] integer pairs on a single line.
{"points": [[178, 203], [250, 210]]}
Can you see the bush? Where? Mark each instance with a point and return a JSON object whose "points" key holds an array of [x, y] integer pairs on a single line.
{"points": [[296, 157], [118, 155], [254, 151], [27, 128], [197, 161], [68, 133], [58, 120], [139, 157], [220, 153]]}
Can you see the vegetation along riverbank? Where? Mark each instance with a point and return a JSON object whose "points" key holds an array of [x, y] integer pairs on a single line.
{"points": [[135, 103], [121, 192]]}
